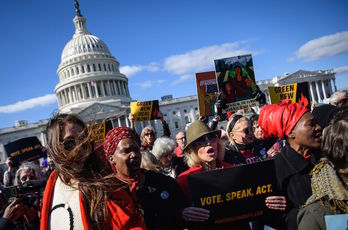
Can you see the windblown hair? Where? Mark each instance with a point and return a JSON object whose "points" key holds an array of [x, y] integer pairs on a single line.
{"points": [[162, 146], [146, 130], [335, 140], [96, 181], [235, 127]]}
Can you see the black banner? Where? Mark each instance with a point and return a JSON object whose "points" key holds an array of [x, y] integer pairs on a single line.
{"points": [[236, 193], [25, 149]]}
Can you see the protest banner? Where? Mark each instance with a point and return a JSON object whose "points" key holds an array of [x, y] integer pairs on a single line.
{"points": [[207, 92], [99, 132], [145, 110], [236, 81], [25, 149], [297, 92], [236, 193]]}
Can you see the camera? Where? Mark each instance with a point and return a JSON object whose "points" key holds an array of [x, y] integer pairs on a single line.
{"points": [[30, 192]]}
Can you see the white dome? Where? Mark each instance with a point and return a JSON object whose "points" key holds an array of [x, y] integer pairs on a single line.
{"points": [[84, 44], [88, 73]]}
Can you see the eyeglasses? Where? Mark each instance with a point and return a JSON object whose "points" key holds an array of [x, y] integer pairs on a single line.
{"points": [[247, 131], [149, 134], [26, 178], [181, 138], [202, 141], [69, 144]]}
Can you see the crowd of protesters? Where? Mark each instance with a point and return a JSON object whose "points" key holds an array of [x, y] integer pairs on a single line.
{"points": [[140, 181]]}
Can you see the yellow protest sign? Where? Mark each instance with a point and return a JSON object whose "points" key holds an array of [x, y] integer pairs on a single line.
{"points": [[145, 110], [99, 132], [279, 93]]}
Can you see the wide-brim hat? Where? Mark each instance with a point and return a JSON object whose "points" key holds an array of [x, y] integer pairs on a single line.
{"points": [[196, 130]]}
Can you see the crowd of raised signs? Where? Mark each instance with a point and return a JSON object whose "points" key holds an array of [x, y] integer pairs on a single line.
{"points": [[142, 180]]}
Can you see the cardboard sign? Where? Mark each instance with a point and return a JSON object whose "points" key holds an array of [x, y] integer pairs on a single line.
{"points": [[25, 149], [207, 92], [236, 81], [99, 132], [145, 110], [297, 92], [234, 194]]}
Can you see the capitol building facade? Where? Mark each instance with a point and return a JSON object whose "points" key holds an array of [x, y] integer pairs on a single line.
{"points": [[91, 86]]}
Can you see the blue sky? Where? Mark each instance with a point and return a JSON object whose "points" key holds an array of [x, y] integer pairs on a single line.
{"points": [[162, 44]]}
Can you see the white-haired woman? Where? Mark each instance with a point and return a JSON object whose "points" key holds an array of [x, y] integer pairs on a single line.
{"points": [[163, 149], [27, 172]]}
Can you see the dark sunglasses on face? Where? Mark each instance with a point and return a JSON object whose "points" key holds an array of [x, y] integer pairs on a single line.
{"points": [[70, 143], [202, 141], [149, 134], [24, 178]]}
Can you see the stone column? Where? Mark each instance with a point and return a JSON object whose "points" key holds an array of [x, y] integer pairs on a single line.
{"points": [[70, 96], [318, 92], [119, 88], [311, 91], [96, 89], [83, 92], [119, 122], [109, 87], [76, 93], [127, 122], [102, 88], [58, 100], [89, 89], [323, 88], [334, 80]]}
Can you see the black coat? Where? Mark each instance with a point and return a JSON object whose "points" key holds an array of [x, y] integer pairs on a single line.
{"points": [[292, 171], [161, 199]]}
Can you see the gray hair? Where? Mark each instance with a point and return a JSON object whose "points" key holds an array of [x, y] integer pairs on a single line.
{"points": [[163, 145], [336, 96], [27, 166]]}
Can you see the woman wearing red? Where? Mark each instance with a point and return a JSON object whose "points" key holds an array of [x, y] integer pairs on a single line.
{"points": [[203, 153], [80, 193]]}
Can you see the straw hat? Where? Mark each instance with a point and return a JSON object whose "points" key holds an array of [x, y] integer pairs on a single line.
{"points": [[196, 130]]}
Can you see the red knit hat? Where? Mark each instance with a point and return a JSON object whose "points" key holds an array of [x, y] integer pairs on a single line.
{"points": [[114, 137], [278, 120]]}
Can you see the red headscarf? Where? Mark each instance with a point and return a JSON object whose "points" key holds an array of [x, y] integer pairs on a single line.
{"points": [[278, 120], [114, 137]]}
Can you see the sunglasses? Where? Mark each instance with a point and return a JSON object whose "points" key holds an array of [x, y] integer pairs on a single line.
{"points": [[247, 131], [25, 178], [149, 134], [70, 143], [203, 141]]}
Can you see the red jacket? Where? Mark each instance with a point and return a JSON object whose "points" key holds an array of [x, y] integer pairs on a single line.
{"points": [[122, 210]]}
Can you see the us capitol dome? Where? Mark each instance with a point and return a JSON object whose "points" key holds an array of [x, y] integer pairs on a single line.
{"points": [[90, 83]]}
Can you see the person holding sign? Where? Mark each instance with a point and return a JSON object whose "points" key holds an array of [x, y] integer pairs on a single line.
{"points": [[292, 122], [148, 134], [202, 153], [82, 192]]}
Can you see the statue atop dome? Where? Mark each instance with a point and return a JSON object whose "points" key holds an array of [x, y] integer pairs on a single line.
{"points": [[77, 8]]}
